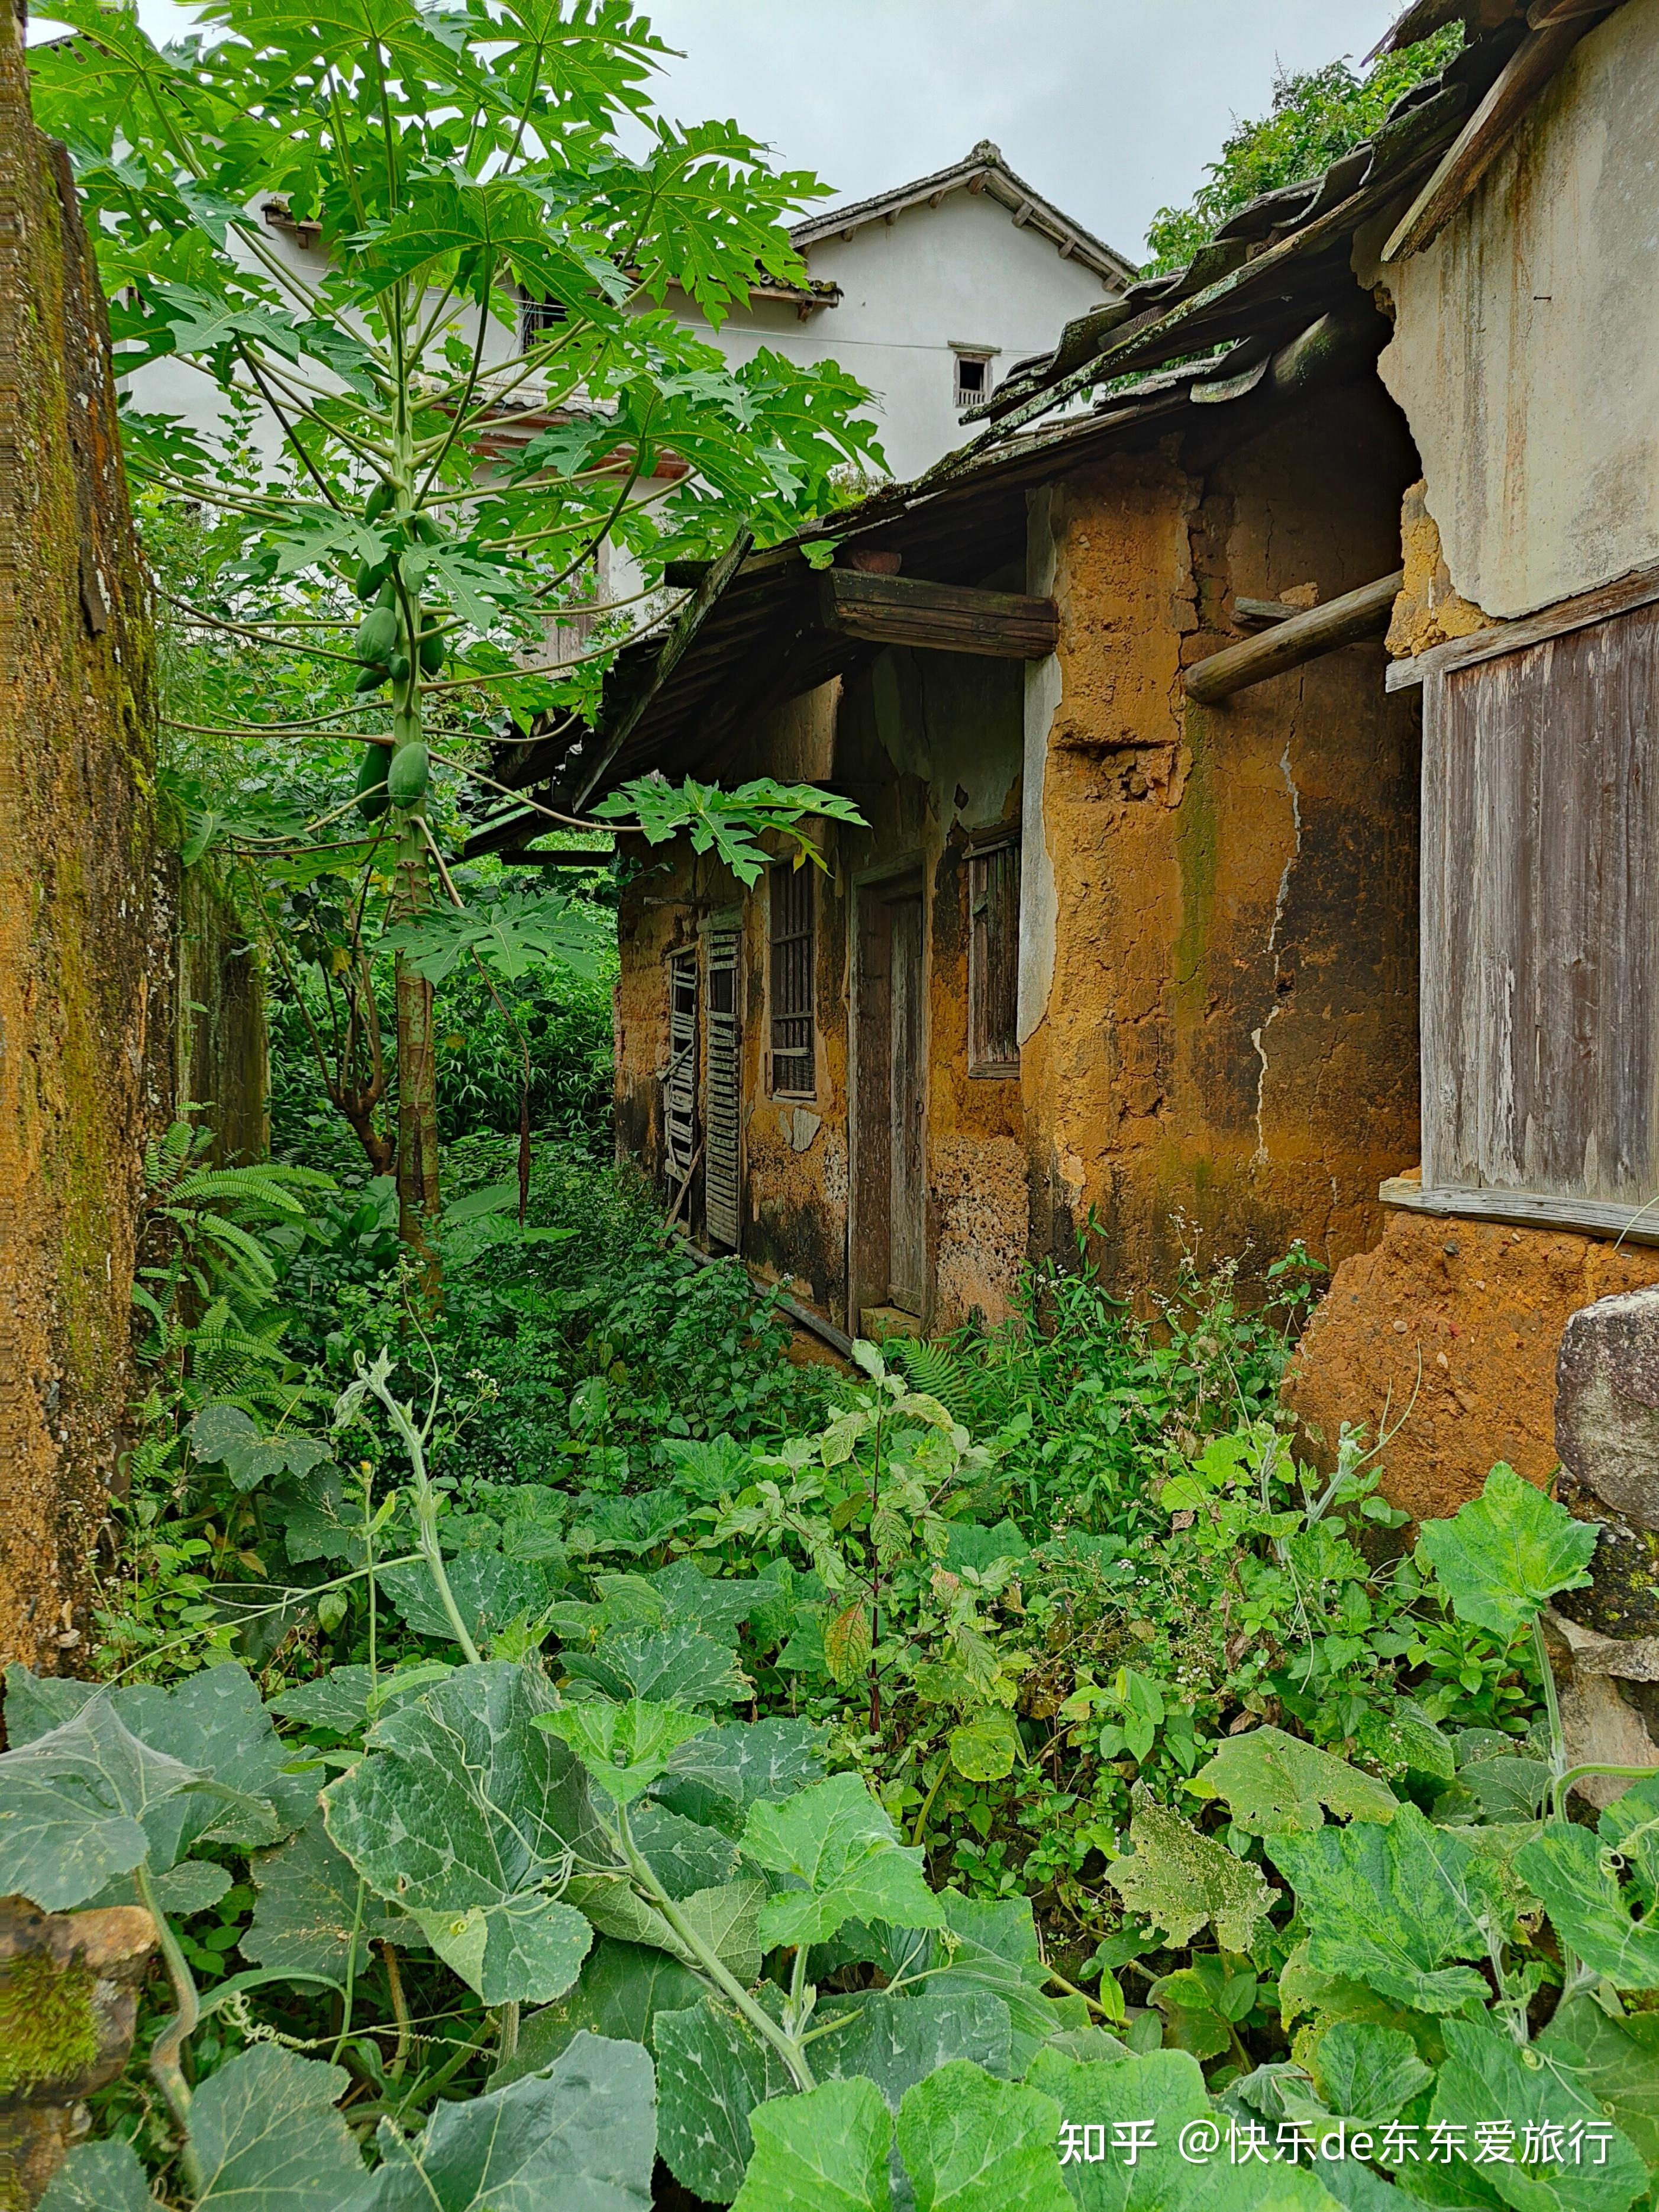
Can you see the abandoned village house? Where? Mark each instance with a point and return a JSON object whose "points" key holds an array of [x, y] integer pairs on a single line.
{"points": [[1261, 780]]}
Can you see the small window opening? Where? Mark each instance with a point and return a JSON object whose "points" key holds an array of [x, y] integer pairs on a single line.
{"points": [[792, 897], [993, 961], [537, 318], [973, 378]]}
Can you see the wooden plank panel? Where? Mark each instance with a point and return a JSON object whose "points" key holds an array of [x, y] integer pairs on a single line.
{"points": [[1541, 930], [722, 1168], [944, 618]]}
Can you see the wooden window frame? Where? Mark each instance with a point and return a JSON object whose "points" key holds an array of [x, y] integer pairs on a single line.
{"points": [[680, 1080], [792, 980], [984, 1064], [722, 1090]]}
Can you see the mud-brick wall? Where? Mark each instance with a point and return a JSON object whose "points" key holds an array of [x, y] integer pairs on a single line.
{"points": [[85, 979], [222, 1045], [1220, 996]]}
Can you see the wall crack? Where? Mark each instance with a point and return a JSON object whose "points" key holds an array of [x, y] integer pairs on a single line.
{"points": [[1258, 1035]]}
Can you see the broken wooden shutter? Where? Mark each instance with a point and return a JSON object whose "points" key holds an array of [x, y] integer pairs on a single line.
{"points": [[679, 1088], [1540, 922], [792, 899], [722, 1109], [993, 960]]}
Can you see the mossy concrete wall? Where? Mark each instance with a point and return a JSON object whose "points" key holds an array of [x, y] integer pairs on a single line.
{"points": [[1220, 1042], [85, 980]]}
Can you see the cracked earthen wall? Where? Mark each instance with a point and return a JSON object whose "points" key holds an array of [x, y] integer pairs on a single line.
{"points": [[1225, 1050], [85, 984]]}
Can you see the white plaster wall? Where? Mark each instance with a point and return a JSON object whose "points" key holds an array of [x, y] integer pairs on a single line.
{"points": [[1526, 353]]}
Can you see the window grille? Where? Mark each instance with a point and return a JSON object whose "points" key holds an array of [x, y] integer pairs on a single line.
{"points": [[993, 960], [972, 374], [679, 1088], [722, 1113], [791, 894], [537, 318]]}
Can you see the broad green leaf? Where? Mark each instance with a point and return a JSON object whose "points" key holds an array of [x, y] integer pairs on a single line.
{"points": [[1507, 1789], [1163, 2090], [73, 1805], [1389, 1906], [99, 2177], [984, 1749], [717, 1604], [341, 1699], [462, 1808], [717, 1775], [898, 2038], [579, 2136], [530, 1946], [620, 1992], [1615, 2063], [225, 1436], [825, 2152], [624, 1748], [1592, 1912], [677, 1665], [986, 1947], [1275, 1785], [683, 1854], [970, 2143], [310, 1898], [490, 1591], [1629, 1827], [1179, 1880], [726, 1919], [1506, 1554], [190, 1886], [840, 1855], [1486, 2075], [846, 1642], [1368, 2073], [1403, 1740], [266, 2131], [711, 2071]]}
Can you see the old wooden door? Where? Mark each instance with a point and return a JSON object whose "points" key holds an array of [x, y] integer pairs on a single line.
{"points": [[906, 1235]]}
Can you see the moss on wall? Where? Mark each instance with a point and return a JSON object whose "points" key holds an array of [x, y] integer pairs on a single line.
{"points": [[85, 984]]}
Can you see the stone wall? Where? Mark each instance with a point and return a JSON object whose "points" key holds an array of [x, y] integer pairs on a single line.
{"points": [[85, 980]]}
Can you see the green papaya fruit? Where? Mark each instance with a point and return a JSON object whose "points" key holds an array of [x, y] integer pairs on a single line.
{"points": [[371, 576], [423, 528], [377, 637], [432, 651], [399, 666], [405, 780], [370, 680], [372, 801], [377, 502]]}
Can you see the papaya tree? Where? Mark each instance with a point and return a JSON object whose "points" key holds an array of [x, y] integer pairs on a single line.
{"points": [[428, 476]]}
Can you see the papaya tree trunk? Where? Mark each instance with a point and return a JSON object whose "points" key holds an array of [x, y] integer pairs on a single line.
{"points": [[418, 1070]]}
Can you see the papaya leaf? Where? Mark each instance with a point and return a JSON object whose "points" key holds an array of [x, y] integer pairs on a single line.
{"points": [[825, 2152], [840, 1859], [1390, 1906], [970, 2143], [1275, 1785], [580, 2133], [1506, 1554], [624, 1748], [1179, 1880]]}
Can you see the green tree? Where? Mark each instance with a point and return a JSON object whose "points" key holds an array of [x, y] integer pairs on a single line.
{"points": [[453, 161], [1316, 116]]}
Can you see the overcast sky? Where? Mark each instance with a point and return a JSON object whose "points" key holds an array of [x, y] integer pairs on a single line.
{"points": [[1110, 107]]}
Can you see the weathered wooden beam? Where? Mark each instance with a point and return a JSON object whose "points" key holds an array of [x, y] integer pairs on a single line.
{"points": [[1636, 1224], [1483, 136], [1639, 589], [1304, 636], [939, 617]]}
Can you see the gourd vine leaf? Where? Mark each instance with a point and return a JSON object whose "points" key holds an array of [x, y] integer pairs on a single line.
{"points": [[984, 1747], [1615, 2063], [711, 2072], [970, 2143], [1179, 1878], [825, 2152], [624, 1748], [840, 1859], [898, 2038], [308, 1905], [1389, 1906], [1275, 1785], [717, 1775], [676, 1665], [1507, 1553], [619, 1992], [1567, 1867], [74, 1805], [466, 1814], [1488, 2075], [225, 1436], [683, 1854], [490, 1589], [1368, 2073], [99, 2177], [726, 1919], [1402, 1740], [579, 2134]]}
